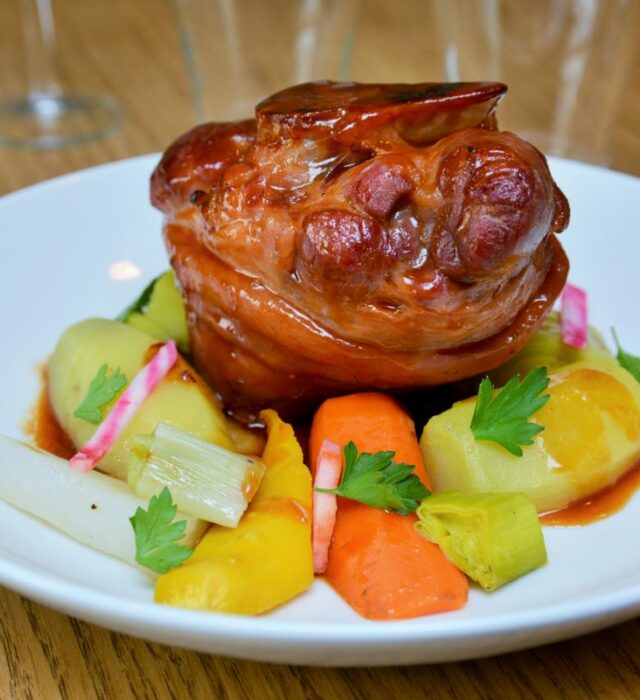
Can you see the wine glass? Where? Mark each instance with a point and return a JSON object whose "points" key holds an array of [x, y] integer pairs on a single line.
{"points": [[46, 116], [565, 61], [233, 61]]}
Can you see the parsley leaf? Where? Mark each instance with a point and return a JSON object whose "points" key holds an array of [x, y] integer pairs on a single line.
{"points": [[503, 418], [630, 362], [374, 479], [140, 302], [157, 546], [101, 391]]}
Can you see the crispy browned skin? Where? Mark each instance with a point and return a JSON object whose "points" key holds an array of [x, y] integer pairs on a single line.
{"points": [[359, 236]]}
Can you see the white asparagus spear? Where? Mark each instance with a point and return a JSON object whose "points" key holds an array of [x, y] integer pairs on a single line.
{"points": [[91, 508]]}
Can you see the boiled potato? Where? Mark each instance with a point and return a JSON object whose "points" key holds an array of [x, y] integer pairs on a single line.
{"points": [[182, 399], [591, 438]]}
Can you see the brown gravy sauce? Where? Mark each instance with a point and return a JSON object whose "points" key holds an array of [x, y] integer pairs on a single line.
{"points": [[44, 428], [601, 505]]}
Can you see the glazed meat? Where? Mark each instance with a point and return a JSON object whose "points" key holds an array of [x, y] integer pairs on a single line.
{"points": [[357, 236]]}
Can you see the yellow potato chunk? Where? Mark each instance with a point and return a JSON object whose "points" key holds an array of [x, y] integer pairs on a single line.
{"points": [[591, 437], [267, 559], [182, 399]]}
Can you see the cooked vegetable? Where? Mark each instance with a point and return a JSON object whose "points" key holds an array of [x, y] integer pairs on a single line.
{"points": [[160, 312], [92, 508], [547, 349], [247, 441], [102, 391], [140, 302], [158, 536], [377, 481], [125, 408], [267, 559], [205, 480], [377, 561], [325, 504], [630, 362], [182, 399], [504, 418], [591, 438], [492, 537], [574, 317]]}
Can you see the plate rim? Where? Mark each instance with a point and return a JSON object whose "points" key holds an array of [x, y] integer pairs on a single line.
{"points": [[37, 585]]}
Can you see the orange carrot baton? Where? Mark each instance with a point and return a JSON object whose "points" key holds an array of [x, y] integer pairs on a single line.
{"points": [[377, 562]]}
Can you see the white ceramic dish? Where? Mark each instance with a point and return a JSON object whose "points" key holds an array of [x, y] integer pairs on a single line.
{"points": [[60, 242]]}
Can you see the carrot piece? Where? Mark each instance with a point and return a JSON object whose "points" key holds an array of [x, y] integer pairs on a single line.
{"points": [[377, 562], [325, 506]]}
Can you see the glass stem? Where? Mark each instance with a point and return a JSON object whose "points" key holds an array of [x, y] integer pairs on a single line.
{"points": [[40, 49]]}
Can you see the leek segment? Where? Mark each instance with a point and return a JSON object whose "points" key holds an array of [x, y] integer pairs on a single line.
{"points": [[206, 481], [491, 537]]}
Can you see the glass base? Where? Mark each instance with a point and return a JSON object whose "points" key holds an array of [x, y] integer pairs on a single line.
{"points": [[47, 121]]}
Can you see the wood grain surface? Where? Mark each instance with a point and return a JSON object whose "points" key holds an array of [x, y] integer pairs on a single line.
{"points": [[130, 49]]}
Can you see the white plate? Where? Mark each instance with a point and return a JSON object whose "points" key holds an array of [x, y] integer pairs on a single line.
{"points": [[59, 240]]}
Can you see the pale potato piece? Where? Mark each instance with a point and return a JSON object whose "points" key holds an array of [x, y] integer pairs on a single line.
{"points": [[591, 438], [182, 399]]}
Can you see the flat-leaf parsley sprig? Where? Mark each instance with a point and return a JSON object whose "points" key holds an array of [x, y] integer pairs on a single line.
{"points": [[140, 302], [157, 537], [504, 418], [626, 360], [102, 391], [376, 480]]}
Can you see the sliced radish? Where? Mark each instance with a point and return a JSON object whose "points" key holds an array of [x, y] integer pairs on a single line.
{"points": [[125, 408], [325, 505], [574, 317]]}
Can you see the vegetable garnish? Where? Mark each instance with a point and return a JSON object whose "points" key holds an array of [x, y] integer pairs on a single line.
{"points": [[377, 481], [574, 317], [139, 303], [325, 505], [142, 386], [206, 480], [503, 418], [157, 537], [102, 391], [629, 362], [492, 537]]}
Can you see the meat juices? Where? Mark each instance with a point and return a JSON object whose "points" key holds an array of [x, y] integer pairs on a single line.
{"points": [[359, 236]]}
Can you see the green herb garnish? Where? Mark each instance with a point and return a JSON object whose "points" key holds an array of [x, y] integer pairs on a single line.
{"points": [[140, 302], [503, 418], [629, 362], [102, 391], [157, 537], [374, 479]]}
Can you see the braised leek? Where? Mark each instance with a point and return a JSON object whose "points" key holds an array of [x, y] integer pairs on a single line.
{"points": [[205, 480], [491, 537]]}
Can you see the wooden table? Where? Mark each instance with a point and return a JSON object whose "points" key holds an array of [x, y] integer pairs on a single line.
{"points": [[131, 50]]}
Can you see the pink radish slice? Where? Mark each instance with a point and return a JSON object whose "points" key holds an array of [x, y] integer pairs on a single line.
{"points": [[125, 408], [325, 505], [574, 317]]}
